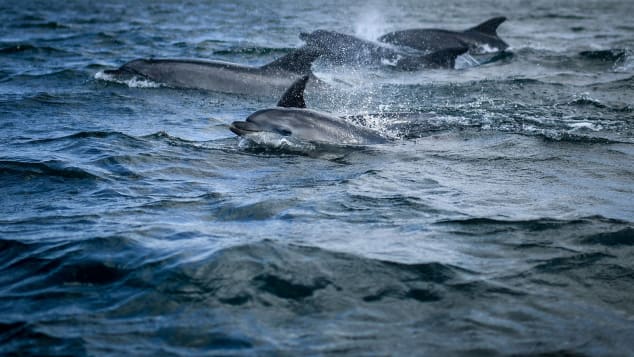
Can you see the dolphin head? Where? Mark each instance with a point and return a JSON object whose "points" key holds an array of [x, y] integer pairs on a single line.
{"points": [[262, 121], [284, 122], [299, 125], [288, 117]]}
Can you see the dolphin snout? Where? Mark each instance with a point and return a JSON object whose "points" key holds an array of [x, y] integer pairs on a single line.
{"points": [[241, 128]]}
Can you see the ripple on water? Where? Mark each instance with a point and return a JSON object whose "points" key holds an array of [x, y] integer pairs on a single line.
{"points": [[133, 222]]}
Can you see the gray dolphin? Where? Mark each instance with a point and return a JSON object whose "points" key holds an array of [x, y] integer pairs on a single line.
{"points": [[270, 79], [484, 34], [291, 119], [340, 48]]}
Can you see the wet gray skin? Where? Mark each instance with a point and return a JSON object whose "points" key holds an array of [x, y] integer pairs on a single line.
{"points": [[340, 48], [343, 48], [291, 119], [477, 37], [270, 79], [306, 125]]}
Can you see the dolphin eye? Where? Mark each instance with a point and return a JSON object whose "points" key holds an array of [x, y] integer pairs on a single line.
{"points": [[283, 132]]}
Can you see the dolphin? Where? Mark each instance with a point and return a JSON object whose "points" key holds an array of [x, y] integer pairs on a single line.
{"points": [[477, 38], [340, 48], [290, 119], [270, 79]]}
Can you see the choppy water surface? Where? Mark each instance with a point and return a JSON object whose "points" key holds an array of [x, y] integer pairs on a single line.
{"points": [[499, 221]]}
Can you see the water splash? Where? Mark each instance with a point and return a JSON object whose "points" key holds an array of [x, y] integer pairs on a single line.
{"points": [[466, 61], [133, 82], [371, 23], [274, 141], [626, 64]]}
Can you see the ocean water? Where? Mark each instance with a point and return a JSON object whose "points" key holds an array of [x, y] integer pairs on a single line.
{"points": [[498, 221]]}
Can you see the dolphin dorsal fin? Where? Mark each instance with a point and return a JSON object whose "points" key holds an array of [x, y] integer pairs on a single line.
{"points": [[297, 61], [489, 27], [446, 58], [294, 95]]}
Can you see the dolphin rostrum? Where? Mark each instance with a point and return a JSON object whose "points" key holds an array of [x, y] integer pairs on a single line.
{"points": [[270, 79], [290, 119], [477, 38]]}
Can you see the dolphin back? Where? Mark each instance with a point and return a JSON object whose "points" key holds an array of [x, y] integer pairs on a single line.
{"points": [[340, 48], [430, 39], [488, 27], [298, 61]]}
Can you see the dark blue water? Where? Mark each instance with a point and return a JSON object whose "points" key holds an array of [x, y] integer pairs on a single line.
{"points": [[499, 221]]}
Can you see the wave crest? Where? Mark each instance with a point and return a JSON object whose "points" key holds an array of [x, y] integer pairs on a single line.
{"points": [[132, 82]]}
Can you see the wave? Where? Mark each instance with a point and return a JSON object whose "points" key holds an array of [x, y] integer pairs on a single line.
{"points": [[24, 338], [523, 81], [111, 154], [93, 261], [412, 125], [224, 145], [272, 142], [47, 98], [164, 136], [532, 224], [135, 286], [132, 82], [130, 139], [570, 137], [259, 211], [260, 51], [576, 261], [258, 273], [615, 238], [610, 60], [611, 55], [623, 83], [53, 77], [86, 135], [271, 273], [52, 168], [583, 230], [585, 101], [43, 25], [529, 224], [8, 49], [553, 15]]}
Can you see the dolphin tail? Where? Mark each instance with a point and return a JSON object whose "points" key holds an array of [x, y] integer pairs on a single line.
{"points": [[445, 58], [294, 95], [297, 61], [489, 27]]}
